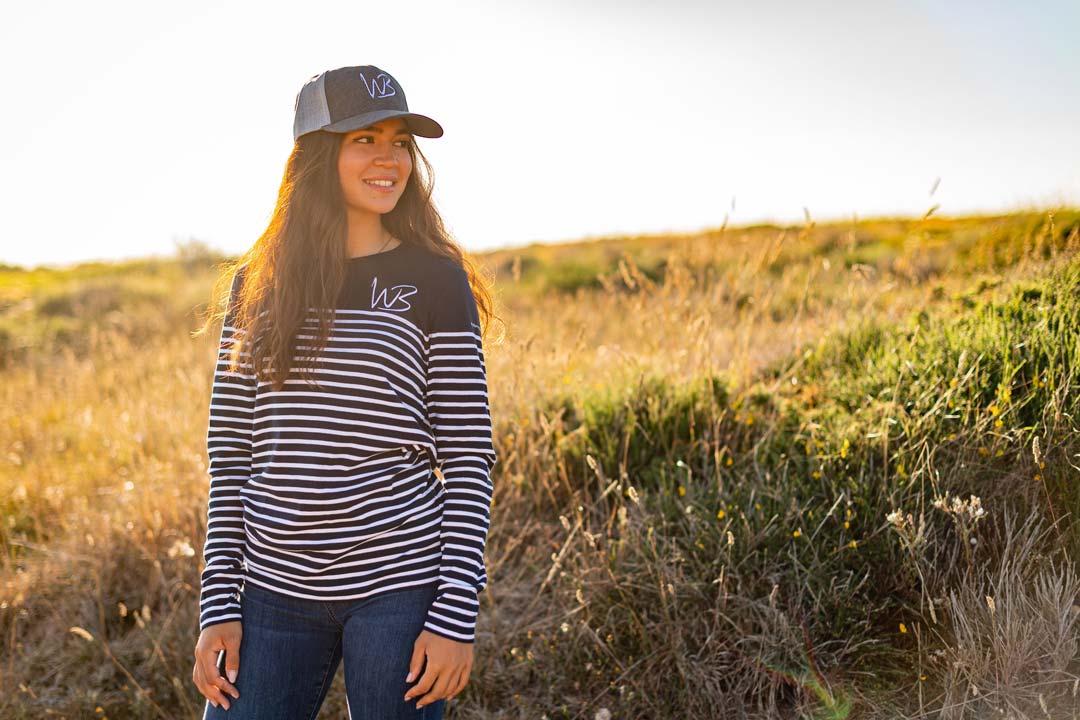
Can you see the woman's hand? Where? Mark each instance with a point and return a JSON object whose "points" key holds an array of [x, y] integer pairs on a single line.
{"points": [[449, 663], [215, 638]]}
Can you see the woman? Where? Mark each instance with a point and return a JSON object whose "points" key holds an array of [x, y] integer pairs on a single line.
{"points": [[349, 435]]}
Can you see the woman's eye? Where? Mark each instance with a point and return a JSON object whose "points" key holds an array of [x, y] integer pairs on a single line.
{"points": [[404, 143]]}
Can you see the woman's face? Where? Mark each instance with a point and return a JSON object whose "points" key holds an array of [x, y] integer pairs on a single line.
{"points": [[379, 152]]}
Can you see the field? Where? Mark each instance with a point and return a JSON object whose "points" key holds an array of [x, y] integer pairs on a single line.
{"points": [[829, 470]]}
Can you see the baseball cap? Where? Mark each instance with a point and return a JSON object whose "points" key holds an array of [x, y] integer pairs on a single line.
{"points": [[350, 98]]}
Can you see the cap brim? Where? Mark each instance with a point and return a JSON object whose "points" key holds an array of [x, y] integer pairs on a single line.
{"points": [[418, 124]]}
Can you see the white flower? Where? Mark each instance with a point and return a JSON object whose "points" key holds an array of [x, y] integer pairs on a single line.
{"points": [[181, 548]]}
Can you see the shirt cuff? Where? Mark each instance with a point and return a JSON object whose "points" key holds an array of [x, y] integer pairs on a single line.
{"points": [[453, 613]]}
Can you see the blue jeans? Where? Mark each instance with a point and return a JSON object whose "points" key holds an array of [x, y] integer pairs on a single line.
{"points": [[291, 648]]}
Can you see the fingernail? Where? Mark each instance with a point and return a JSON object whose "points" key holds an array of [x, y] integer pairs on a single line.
{"points": [[408, 678], [232, 675]]}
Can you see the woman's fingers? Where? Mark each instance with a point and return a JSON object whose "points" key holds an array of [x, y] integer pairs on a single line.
{"points": [[207, 687], [423, 684], [437, 692], [208, 672], [232, 658], [416, 662], [457, 682], [447, 668], [213, 674], [207, 676]]}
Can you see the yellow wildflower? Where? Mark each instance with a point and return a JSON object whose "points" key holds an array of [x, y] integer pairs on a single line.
{"points": [[797, 533], [720, 514], [682, 491], [903, 628], [853, 544]]}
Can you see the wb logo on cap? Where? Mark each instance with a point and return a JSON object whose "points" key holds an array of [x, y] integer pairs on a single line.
{"points": [[380, 87]]}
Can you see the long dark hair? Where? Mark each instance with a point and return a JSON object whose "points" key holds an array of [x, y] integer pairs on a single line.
{"points": [[299, 260]]}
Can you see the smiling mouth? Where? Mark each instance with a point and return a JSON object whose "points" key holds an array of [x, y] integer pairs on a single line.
{"points": [[381, 183]]}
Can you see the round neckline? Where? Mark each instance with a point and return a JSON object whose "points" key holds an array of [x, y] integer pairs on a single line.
{"points": [[397, 247]]}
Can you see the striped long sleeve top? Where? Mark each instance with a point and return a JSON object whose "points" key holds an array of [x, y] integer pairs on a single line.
{"points": [[327, 489]]}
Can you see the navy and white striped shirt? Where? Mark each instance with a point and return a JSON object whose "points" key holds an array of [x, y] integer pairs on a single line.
{"points": [[330, 492]]}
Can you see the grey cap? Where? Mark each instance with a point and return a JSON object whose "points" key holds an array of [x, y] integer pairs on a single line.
{"points": [[351, 98]]}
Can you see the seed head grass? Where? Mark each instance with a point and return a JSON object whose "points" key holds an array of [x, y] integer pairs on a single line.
{"points": [[826, 470]]}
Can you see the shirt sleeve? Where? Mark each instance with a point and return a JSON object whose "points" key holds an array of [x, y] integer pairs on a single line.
{"points": [[228, 446], [460, 417]]}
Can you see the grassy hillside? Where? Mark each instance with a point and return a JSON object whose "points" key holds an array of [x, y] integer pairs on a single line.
{"points": [[825, 471]]}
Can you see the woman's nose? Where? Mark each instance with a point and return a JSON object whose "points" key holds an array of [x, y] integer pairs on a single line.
{"points": [[386, 157]]}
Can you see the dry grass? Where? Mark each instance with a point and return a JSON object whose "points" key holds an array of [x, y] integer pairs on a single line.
{"points": [[697, 461]]}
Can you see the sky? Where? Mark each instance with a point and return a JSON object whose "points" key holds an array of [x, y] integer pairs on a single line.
{"points": [[131, 127]]}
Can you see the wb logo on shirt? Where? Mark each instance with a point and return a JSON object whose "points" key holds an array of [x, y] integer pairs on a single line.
{"points": [[380, 87], [392, 299]]}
